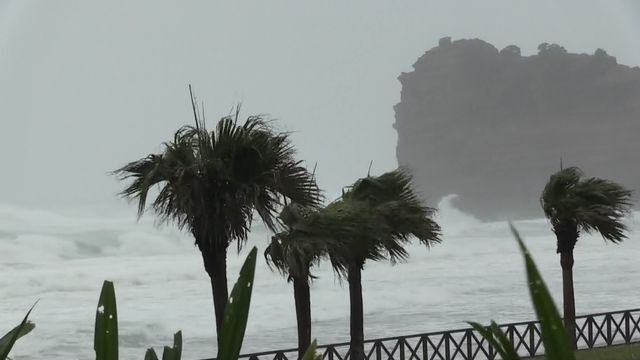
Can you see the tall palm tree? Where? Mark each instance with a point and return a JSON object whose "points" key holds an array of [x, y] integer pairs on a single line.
{"points": [[210, 183], [384, 213], [575, 204]]}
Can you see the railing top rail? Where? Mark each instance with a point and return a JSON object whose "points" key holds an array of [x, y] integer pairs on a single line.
{"points": [[431, 334], [607, 313]]}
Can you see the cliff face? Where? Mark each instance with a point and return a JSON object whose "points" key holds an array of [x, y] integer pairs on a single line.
{"points": [[492, 126]]}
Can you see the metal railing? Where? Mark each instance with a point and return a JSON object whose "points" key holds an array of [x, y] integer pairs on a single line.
{"points": [[594, 330]]}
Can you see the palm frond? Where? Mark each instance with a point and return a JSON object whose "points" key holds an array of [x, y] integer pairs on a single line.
{"points": [[374, 220], [591, 204], [211, 182], [603, 208], [294, 251]]}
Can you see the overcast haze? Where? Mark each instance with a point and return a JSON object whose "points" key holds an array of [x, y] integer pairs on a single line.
{"points": [[86, 86]]}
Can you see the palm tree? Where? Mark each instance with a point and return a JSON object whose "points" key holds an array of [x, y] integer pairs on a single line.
{"points": [[210, 183], [293, 252], [574, 204], [381, 214], [308, 237]]}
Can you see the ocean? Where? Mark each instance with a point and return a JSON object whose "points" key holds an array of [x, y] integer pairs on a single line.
{"points": [[475, 274]]}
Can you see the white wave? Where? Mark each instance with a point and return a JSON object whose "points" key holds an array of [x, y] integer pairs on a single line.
{"points": [[474, 274], [451, 219]]}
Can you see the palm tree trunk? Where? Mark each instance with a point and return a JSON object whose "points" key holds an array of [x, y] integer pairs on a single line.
{"points": [[566, 261], [216, 267], [357, 313], [302, 296], [567, 236]]}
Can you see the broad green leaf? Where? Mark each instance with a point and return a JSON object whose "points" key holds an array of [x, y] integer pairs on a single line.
{"points": [[28, 326], [485, 333], [506, 352], [237, 312], [169, 353], [150, 355], [554, 337], [8, 340], [21, 330], [509, 352], [310, 354], [105, 342], [175, 352]]}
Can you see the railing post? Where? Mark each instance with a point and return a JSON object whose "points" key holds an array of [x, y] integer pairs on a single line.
{"points": [[401, 345], [469, 347], [512, 337], [423, 341], [447, 350], [378, 346], [627, 327], [608, 319], [590, 332], [532, 339]]}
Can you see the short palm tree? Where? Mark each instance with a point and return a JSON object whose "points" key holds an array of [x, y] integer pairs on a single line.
{"points": [[575, 204], [383, 214], [305, 242], [293, 252], [210, 183]]}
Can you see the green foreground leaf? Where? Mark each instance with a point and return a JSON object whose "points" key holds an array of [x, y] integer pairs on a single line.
{"points": [[310, 354], [498, 339], [237, 312], [169, 353], [150, 354], [175, 352], [9, 339], [105, 342], [554, 337]]}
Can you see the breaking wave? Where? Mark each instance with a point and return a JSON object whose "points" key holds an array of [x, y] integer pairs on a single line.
{"points": [[474, 274]]}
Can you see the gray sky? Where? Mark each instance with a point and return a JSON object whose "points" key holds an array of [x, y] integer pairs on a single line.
{"points": [[86, 86]]}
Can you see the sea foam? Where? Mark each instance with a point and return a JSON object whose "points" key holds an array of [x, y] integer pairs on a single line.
{"points": [[476, 273]]}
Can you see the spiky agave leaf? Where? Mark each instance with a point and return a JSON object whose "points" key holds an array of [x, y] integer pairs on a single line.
{"points": [[8, 340]]}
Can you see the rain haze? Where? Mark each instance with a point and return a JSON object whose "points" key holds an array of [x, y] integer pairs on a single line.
{"points": [[88, 86]]}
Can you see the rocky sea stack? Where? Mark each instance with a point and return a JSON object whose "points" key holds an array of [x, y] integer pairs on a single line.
{"points": [[492, 125]]}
